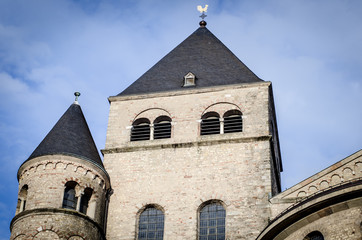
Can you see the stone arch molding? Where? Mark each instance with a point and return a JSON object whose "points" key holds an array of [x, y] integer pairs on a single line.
{"points": [[144, 206], [345, 174], [221, 108], [46, 235], [61, 164], [75, 238], [20, 237], [211, 197], [151, 114]]}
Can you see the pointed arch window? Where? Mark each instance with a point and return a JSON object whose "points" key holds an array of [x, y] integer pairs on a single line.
{"points": [[162, 127], [70, 199], [212, 221], [84, 202], [151, 224], [141, 130], [210, 123], [316, 235], [233, 121]]}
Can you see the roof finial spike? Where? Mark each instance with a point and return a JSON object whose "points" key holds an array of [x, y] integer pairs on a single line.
{"points": [[76, 94], [202, 10]]}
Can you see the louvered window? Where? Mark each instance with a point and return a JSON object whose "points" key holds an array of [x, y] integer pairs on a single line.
{"points": [[233, 121], [151, 224], [140, 130], [162, 127], [210, 123], [212, 222]]}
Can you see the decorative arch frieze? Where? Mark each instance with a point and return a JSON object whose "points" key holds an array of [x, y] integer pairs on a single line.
{"points": [[67, 165], [151, 114], [221, 108], [47, 233]]}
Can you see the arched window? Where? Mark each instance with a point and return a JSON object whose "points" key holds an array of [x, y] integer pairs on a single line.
{"points": [[210, 123], [212, 222], [84, 201], [151, 224], [233, 121], [23, 194], [140, 130], [162, 127], [69, 199], [314, 236]]}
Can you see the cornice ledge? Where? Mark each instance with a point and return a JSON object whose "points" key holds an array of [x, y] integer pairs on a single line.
{"points": [[45, 211], [186, 92], [202, 142]]}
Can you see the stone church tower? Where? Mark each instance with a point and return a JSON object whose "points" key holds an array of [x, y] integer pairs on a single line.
{"points": [[193, 152], [192, 148], [62, 185]]}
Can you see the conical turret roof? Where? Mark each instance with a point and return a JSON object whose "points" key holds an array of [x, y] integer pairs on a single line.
{"points": [[70, 136], [202, 54]]}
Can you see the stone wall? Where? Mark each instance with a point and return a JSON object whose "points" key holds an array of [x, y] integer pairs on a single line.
{"points": [[342, 225], [52, 224], [344, 171], [45, 178], [181, 173]]}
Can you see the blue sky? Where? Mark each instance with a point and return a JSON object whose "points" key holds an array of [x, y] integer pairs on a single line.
{"points": [[309, 49]]}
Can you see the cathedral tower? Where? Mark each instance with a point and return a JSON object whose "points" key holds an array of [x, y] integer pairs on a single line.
{"points": [[62, 185], [192, 148]]}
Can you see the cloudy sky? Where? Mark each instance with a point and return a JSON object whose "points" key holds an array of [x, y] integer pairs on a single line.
{"points": [[311, 50]]}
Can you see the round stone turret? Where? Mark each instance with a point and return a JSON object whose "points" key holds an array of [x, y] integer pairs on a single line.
{"points": [[63, 186]]}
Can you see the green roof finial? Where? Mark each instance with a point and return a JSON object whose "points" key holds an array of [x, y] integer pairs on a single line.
{"points": [[76, 94]]}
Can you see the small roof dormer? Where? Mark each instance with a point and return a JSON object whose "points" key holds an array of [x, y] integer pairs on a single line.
{"points": [[189, 80]]}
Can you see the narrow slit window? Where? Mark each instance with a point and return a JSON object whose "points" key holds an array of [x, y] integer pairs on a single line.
{"points": [[233, 121], [210, 123], [162, 127], [140, 130]]}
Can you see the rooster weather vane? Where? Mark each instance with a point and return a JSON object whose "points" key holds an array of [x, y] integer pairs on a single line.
{"points": [[202, 10]]}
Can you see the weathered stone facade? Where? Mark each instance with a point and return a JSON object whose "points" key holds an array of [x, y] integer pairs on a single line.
{"points": [[43, 215], [182, 172], [333, 208], [179, 175]]}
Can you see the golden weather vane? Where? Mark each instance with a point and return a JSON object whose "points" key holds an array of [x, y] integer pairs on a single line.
{"points": [[202, 10]]}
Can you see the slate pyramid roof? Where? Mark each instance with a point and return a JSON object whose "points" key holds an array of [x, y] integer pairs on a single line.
{"points": [[70, 136], [201, 53]]}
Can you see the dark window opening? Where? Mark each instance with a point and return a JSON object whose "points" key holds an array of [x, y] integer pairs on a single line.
{"points": [[212, 222], [314, 236], [140, 130], [69, 199], [84, 201], [151, 224], [23, 194], [233, 121], [162, 127], [210, 123]]}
